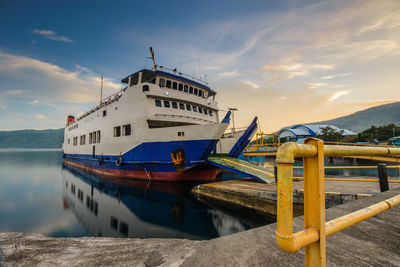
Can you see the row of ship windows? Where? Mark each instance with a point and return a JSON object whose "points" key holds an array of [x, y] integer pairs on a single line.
{"points": [[182, 106], [94, 137], [181, 87], [126, 130]]}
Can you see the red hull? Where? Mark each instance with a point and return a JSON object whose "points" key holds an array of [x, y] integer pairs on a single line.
{"points": [[192, 175]]}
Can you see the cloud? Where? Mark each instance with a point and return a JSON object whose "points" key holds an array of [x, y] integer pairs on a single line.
{"points": [[338, 94], [328, 77], [316, 85], [3, 105], [228, 74], [252, 84], [295, 69], [13, 92], [40, 116], [51, 35], [34, 102], [46, 81]]}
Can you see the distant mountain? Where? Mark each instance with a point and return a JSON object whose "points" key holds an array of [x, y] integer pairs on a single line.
{"points": [[362, 120], [32, 138]]}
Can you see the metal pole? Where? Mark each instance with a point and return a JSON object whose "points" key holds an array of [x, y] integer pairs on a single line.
{"points": [[101, 92], [314, 203], [233, 118], [383, 180]]}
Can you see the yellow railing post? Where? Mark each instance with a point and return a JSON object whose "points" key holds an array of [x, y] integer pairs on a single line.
{"points": [[313, 237], [285, 199], [314, 203]]}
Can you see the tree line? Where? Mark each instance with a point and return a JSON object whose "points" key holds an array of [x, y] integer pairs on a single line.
{"points": [[372, 134]]}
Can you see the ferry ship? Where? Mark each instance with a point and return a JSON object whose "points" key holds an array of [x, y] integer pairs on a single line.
{"points": [[162, 126]]}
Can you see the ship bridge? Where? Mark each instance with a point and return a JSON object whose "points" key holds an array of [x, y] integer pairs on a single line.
{"points": [[174, 99]]}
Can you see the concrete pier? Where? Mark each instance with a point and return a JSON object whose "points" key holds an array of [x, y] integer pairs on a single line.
{"points": [[374, 242]]}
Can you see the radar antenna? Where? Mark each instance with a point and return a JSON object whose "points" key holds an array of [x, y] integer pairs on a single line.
{"points": [[152, 57]]}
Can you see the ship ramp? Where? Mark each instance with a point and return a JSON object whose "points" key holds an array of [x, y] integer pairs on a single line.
{"points": [[242, 167]]}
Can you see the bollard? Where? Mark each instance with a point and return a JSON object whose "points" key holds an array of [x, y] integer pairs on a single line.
{"points": [[383, 180], [276, 173]]}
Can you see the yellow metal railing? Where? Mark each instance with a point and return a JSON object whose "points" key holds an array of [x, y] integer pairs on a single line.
{"points": [[276, 143], [351, 179], [348, 179], [316, 229]]}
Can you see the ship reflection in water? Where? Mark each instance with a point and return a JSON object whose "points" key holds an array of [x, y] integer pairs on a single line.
{"points": [[118, 207]]}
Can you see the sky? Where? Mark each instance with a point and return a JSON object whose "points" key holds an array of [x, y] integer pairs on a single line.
{"points": [[287, 62]]}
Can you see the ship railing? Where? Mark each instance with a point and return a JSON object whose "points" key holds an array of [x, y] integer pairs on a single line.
{"points": [[176, 72], [113, 97], [104, 102], [316, 229]]}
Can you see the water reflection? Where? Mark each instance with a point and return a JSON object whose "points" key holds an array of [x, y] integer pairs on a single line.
{"points": [[134, 208], [39, 195]]}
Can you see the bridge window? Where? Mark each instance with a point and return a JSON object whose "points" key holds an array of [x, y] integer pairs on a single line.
{"points": [[194, 108], [126, 129], [117, 131], [205, 111], [168, 84], [148, 77], [181, 106], [210, 113], [158, 103], [174, 104], [180, 87], [166, 104], [188, 107], [200, 92], [134, 79], [98, 136], [162, 82], [200, 110], [195, 91], [191, 90], [104, 113], [146, 88], [174, 85], [181, 133], [186, 88], [68, 141]]}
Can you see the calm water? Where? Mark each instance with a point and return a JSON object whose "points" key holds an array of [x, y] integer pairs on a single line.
{"points": [[39, 195]]}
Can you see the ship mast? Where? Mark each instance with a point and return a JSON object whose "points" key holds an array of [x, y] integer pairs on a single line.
{"points": [[101, 91], [152, 57]]}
